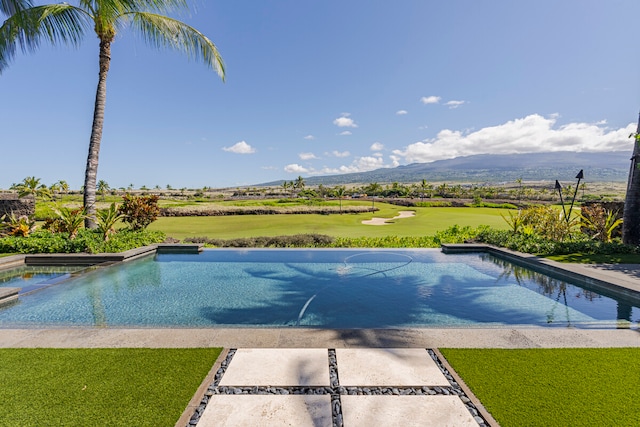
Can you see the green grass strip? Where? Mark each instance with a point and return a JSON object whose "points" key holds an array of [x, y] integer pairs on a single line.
{"points": [[106, 387], [554, 387], [598, 258]]}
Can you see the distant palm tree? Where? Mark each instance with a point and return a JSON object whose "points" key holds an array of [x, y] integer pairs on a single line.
{"points": [[67, 24], [285, 186], [31, 186], [102, 188], [63, 186], [339, 192]]}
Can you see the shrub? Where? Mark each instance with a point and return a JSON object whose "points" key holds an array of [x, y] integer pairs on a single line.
{"points": [[139, 211], [90, 241], [536, 244], [294, 241], [21, 226]]}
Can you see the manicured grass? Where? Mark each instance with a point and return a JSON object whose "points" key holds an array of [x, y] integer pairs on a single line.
{"points": [[426, 222], [554, 387], [598, 258], [83, 387]]}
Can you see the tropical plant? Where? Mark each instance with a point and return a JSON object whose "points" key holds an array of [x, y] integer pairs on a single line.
{"points": [[139, 211], [599, 223], [515, 221], [107, 219], [20, 226], [67, 24], [70, 220]]}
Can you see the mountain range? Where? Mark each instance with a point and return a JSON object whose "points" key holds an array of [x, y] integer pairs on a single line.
{"points": [[598, 167]]}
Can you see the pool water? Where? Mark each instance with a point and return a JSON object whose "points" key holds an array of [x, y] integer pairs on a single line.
{"points": [[317, 288], [31, 278]]}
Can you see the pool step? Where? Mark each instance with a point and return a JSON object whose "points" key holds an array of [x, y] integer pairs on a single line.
{"points": [[8, 295]]}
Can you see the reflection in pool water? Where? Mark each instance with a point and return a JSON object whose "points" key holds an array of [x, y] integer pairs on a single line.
{"points": [[318, 288]]}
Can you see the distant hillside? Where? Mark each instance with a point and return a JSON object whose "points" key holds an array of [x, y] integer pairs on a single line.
{"points": [[609, 166]]}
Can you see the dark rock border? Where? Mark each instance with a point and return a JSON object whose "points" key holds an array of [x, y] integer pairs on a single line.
{"points": [[336, 390]]}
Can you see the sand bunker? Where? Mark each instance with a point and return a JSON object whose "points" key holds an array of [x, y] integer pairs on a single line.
{"points": [[383, 221]]}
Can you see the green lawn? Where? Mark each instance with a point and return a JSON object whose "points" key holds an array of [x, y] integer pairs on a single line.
{"points": [[85, 387], [426, 222], [554, 387], [598, 258]]}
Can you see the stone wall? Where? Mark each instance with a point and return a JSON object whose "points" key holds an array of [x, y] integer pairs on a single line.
{"points": [[9, 202]]}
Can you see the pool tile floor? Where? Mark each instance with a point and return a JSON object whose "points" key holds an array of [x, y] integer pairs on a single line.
{"points": [[250, 391]]}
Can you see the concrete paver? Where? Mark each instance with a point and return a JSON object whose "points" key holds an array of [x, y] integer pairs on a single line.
{"points": [[405, 411], [267, 410], [270, 387], [278, 367], [383, 367]]}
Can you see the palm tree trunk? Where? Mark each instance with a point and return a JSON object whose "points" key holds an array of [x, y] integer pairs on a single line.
{"points": [[631, 217], [91, 171]]}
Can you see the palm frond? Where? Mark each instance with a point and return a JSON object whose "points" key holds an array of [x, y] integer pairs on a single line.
{"points": [[164, 32], [9, 7], [56, 23], [119, 7]]}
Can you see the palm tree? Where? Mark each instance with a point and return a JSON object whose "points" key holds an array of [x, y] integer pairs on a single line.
{"points": [[30, 186], [102, 188], [285, 186], [339, 193], [67, 24], [63, 186], [299, 183], [631, 214]]}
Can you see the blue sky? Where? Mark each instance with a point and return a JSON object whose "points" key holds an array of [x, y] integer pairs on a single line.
{"points": [[326, 87]]}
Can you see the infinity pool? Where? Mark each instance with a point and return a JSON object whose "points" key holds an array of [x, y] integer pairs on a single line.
{"points": [[317, 288]]}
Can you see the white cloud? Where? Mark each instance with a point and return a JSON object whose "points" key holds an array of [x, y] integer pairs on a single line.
{"points": [[376, 146], [455, 104], [295, 168], [345, 133], [240, 148], [307, 156], [345, 121], [530, 134], [430, 99], [401, 112], [309, 137], [395, 161], [336, 153]]}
